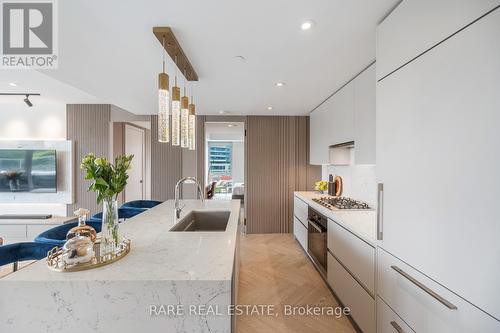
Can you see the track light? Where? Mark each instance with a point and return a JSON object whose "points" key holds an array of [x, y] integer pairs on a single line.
{"points": [[26, 100]]}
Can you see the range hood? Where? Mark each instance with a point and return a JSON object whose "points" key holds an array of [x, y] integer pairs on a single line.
{"points": [[340, 154]]}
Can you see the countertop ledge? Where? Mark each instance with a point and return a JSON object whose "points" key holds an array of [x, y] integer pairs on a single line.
{"points": [[362, 223], [158, 254]]}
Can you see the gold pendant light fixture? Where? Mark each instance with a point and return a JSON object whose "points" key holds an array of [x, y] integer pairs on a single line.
{"points": [[182, 127], [163, 104], [192, 125], [176, 112], [184, 117]]}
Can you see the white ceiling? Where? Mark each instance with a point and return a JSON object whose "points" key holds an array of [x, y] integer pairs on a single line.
{"points": [[107, 50]]}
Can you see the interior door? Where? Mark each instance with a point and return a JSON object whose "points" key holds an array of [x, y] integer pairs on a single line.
{"points": [[135, 144], [438, 156]]}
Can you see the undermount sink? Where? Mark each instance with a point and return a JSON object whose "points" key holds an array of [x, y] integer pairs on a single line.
{"points": [[201, 220]]}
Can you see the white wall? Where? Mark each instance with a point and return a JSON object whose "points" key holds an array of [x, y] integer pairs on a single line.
{"points": [[40, 122], [359, 181], [238, 162]]}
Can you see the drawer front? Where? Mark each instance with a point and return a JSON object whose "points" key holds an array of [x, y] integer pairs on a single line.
{"points": [[388, 321], [300, 233], [13, 231], [352, 295], [425, 305], [300, 210], [355, 254]]}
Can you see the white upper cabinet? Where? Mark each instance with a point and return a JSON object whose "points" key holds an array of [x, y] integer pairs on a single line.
{"points": [[318, 136], [341, 115], [438, 155], [332, 123], [417, 25], [348, 115], [364, 116]]}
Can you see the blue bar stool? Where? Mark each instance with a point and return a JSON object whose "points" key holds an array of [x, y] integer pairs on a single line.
{"points": [[13, 253], [123, 214], [143, 204], [57, 235]]}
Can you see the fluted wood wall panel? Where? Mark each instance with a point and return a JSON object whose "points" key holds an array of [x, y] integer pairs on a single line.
{"points": [[166, 165], [88, 126], [277, 166]]}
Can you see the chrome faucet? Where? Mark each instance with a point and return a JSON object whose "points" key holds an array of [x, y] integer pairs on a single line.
{"points": [[189, 180]]}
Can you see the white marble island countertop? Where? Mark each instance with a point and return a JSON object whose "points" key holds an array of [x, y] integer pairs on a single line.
{"points": [[362, 223], [159, 254], [163, 269]]}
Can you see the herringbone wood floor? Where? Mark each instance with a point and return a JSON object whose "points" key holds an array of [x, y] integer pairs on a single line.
{"points": [[275, 270]]}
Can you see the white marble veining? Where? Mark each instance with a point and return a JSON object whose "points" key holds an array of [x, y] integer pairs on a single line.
{"points": [[163, 268], [362, 223]]}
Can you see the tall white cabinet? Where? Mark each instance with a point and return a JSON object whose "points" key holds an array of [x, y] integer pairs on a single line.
{"points": [[438, 157]]}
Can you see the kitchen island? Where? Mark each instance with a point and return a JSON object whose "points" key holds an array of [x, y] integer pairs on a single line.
{"points": [[169, 282]]}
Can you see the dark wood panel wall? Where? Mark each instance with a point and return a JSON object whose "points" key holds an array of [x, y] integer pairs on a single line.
{"points": [[166, 165], [88, 126], [277, 166]]}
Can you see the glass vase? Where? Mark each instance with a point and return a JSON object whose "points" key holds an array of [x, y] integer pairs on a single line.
{"points": [[109, 232]]}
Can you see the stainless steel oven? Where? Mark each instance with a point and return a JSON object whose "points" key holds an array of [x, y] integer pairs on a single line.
{"points": [[317, 227]]}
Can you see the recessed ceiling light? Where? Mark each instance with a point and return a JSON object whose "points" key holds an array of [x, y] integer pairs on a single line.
{"points": [[223, 111], [12, 84], [280, 84], [269, 108], [231, 125], [307, 24]]}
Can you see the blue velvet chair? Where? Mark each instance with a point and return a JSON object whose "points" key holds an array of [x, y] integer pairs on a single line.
{"points": [[12, 253], [143, 204], [57, 235], [123, 214]]}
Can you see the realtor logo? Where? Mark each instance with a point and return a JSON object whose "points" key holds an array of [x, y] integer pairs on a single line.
{"points": [[29, 34]]}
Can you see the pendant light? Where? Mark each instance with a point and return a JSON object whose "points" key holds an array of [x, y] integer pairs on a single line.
{"points": [[176, 111], [163, 103], [184, 117], [192, 124]]}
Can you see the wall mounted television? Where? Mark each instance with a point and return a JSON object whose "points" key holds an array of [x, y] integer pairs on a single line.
{"points": [[28, 170]]}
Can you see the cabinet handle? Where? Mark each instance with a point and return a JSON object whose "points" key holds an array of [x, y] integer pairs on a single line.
{"points": [[397, 327], [315, 226], [380, 211], [429, 291]]}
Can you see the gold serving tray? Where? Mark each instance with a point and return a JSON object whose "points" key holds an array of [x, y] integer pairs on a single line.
{"points": [[56, 263]]}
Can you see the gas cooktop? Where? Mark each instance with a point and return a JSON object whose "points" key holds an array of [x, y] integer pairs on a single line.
{"points": [[341, 203]]}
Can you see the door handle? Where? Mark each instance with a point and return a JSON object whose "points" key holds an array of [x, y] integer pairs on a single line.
{"points": [[428, 290], [397, 327], [380, 211]]}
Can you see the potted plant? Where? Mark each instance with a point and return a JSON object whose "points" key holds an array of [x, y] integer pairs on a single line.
{"points": [[108, 180], [321, 186]]}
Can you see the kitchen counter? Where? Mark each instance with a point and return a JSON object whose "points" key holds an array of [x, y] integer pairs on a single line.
{"points": [[162, 268], [362, 223]]}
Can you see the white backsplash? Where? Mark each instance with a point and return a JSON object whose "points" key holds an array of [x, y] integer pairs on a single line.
{"points": [[359, 181]]}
